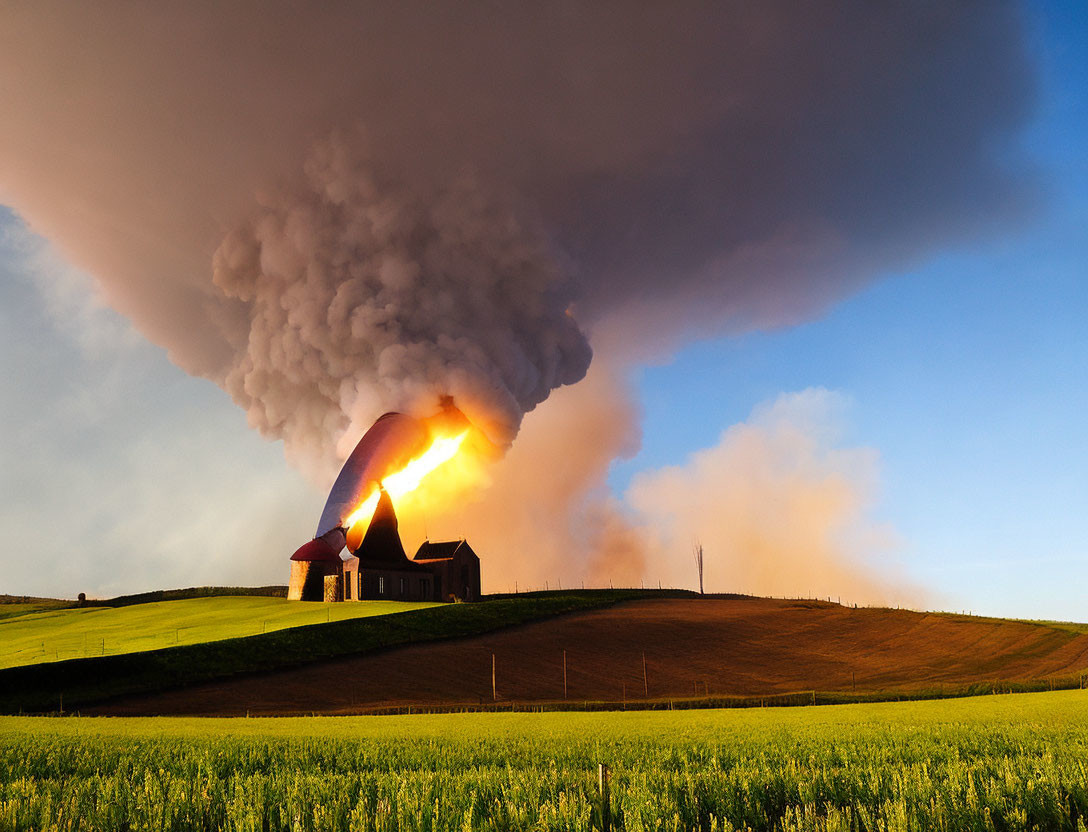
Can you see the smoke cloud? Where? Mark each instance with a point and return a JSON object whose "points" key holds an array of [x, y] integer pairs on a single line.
{"points": [[545, 510], [332, 210], [706, 168], [362, 297], [779, 508]]}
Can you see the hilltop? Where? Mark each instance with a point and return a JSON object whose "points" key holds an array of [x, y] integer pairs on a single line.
{"points": [[41, 634]]}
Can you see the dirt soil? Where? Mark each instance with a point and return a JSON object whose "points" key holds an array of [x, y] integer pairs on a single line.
{"points": [[751, 647]]}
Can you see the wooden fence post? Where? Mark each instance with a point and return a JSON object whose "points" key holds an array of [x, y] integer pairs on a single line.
{"points": [[494, 694], [645, 678], [604, 776], [564, 674]]}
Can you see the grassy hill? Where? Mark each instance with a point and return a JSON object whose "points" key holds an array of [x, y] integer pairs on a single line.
{"points": [[30, 634], [14, 609], [42, 686], [592, 649], [660, 651]]}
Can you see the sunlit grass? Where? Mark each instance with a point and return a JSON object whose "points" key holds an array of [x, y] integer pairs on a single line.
{"points": [[55, 635], [1000, 762]]}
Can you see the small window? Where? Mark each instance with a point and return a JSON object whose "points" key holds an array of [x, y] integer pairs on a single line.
{"points": [[381, 585], [403, 587]]}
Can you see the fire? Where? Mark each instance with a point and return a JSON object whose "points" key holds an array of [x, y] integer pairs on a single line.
{"points": [[408, 478]]}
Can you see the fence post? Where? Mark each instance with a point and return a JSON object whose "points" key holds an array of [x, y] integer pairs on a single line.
{"points": [[564, 674], [645, 679], [604, 777], [494, 695]]}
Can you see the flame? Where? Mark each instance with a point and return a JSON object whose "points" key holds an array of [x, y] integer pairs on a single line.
{"points": [[408, 478]]}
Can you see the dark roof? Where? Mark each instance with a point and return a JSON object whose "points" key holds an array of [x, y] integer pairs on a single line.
{"points": [[381, 546], [433, 550], [353, 564]]}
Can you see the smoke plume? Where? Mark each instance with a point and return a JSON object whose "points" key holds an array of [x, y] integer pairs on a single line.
{"points": [[335, 209], [779, 508], [363, 297], [547, 506]]}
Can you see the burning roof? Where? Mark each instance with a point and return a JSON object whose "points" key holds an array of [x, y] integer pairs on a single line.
{"points": [[392, 459], [389, 445]]}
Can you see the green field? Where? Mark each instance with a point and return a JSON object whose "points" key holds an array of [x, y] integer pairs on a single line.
{"points": [[42, 685], [991, 763], [36, 636], [16, 609]]}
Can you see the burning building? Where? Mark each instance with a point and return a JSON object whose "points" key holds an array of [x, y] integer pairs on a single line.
{"points": [[380, 569], [393, 456]]}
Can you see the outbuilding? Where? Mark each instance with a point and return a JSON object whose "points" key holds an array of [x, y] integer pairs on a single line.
{"points": [[456, 568]]}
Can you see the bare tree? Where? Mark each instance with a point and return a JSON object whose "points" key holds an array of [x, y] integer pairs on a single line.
{"points": [[697, 550]]}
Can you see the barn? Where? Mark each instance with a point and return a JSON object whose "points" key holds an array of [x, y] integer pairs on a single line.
{"points": [[381, 570], [455, 566]]}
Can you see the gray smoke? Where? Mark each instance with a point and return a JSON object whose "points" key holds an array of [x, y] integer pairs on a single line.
{"points": [[363, 296], [662, 172]]}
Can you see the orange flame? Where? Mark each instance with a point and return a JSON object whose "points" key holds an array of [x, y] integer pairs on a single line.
{"points": [[408, 478]]}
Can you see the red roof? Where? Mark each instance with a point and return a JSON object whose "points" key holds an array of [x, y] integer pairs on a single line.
{"points": [[316, 549]]}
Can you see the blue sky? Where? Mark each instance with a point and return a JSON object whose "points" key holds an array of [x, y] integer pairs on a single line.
{"points": [[968, 375]]}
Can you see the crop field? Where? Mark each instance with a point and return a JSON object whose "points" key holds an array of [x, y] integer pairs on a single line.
{"points": [[656, 648], [992, 763], [36, 636]]}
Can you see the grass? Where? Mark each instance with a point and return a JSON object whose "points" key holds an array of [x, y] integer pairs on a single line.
{"points": [[277, 591], [14, 609], [990, 763], [79, 681], [1067, 626], [53, 635], [1070, 626]]}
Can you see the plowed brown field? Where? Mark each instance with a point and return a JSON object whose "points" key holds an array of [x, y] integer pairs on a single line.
{"points": [[734, 646]]}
